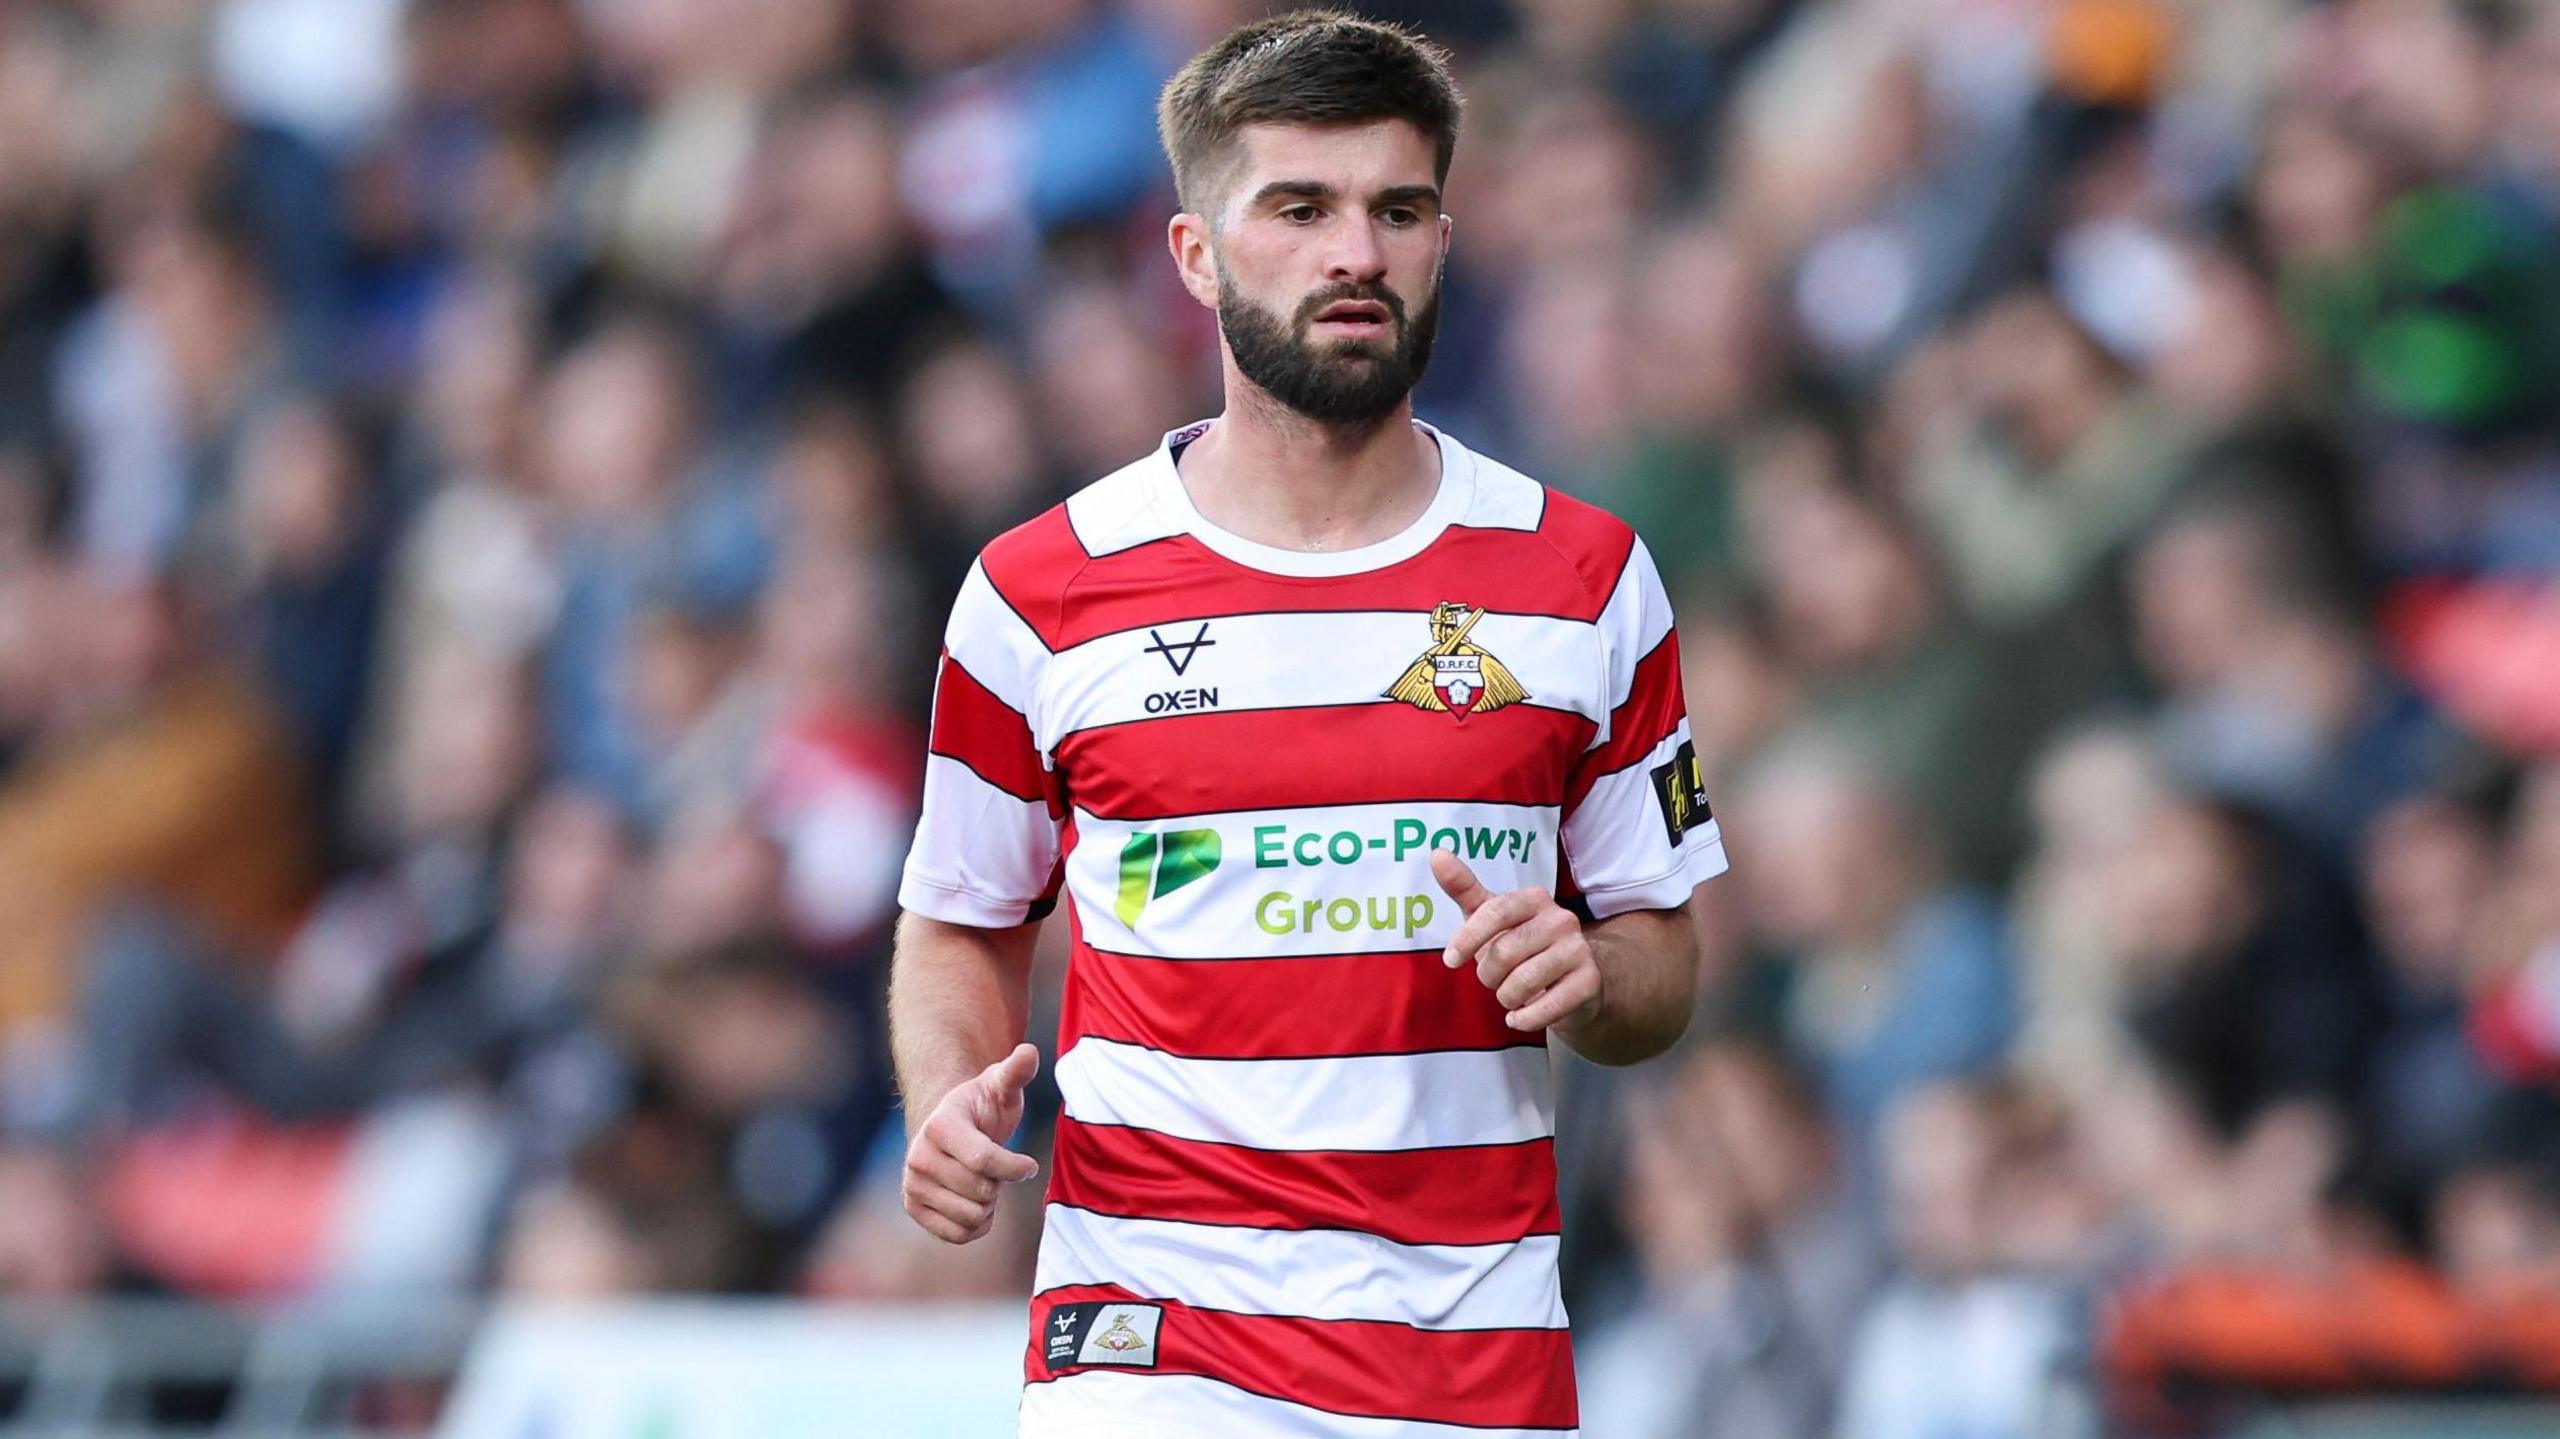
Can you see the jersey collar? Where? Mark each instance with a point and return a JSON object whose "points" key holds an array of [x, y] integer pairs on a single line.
{"points": [[1448, 504]]}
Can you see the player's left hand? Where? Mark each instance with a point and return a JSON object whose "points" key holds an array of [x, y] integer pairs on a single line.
{"points": [[1528, 949]]}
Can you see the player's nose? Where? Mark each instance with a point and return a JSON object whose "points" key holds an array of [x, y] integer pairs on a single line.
{"points": [[1354, 255]]}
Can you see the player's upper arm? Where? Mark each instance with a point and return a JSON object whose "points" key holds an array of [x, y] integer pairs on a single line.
{"points": [[923, 938], [1638, 832], [986, 845]]}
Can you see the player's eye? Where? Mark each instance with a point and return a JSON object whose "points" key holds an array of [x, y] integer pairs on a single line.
{"points": [[1300, 214], [1400, 216]]}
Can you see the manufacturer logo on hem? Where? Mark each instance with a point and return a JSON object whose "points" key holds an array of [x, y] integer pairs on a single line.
{"points": [[1102, 1333]]}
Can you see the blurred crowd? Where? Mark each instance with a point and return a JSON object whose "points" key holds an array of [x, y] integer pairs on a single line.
{"points": [[480, 481]]}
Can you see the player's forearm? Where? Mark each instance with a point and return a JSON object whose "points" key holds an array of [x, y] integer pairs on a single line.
{"points": [[1648, 986], [959, 998]]}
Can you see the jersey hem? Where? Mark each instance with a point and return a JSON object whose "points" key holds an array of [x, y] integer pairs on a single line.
{"points": [[1665, 891], [959, 906]]}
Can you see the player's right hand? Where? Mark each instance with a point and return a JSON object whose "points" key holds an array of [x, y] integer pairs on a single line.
{"points": [[957, 1158]]}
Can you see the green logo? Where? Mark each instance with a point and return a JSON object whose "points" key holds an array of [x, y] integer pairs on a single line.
{"points": [[1152, 869]]}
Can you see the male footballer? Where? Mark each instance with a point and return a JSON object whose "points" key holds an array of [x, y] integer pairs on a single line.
{"points": [[1361, 763]]}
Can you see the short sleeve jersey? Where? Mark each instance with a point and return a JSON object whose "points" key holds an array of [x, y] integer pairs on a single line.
{"points": [[1304, 1179]]}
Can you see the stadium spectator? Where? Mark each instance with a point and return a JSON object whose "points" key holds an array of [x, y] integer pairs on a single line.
{"points": [[1891, 978]]}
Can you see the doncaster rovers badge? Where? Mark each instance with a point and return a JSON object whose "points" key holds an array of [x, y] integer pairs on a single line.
{"points": [[1454, 675]]}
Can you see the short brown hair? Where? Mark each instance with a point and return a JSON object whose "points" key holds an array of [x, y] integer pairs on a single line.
{"points": [[1308, 67]]}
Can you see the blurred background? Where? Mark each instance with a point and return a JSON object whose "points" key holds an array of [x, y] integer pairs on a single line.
{"points": [[480, 482]]}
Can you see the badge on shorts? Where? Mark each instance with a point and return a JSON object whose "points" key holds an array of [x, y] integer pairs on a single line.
{"points": [[1102, 1332]]}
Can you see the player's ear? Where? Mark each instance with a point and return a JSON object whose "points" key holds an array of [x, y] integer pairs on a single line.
{"points": [[1193, 259]]}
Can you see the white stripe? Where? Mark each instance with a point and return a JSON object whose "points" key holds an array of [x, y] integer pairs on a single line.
{"points": [[1634, 620], [992, 642], [1279, 661], [1118, 511], [980, 856], [1098, 1404], [1370, 1102], [1366, 868], [1307, 1274], [1505, 498]]}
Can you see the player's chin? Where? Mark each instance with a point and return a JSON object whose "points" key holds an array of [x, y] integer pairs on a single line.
{"points": [[1372, 351]]}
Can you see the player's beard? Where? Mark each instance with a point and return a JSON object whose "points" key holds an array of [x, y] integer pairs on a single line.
{"points": [[1335, 382]]}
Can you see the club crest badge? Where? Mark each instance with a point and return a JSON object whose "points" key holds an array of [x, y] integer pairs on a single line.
{"points": [[1105, 1332], [1454, 675]]}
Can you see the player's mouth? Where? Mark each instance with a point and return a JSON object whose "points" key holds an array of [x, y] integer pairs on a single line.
{"points": [[1355, 320]]}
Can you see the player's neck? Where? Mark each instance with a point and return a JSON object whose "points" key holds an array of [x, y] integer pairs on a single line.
{"points": [[1275, 477]]}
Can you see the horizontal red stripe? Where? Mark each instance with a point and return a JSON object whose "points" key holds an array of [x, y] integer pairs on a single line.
{"points": [[1596, 542], [1568, 567], [1490, 1378], [1381, 753], [1313, 1007], [1653, 708], [1030, 565], [1473, 1194], [973, 725], [1176, 580]]}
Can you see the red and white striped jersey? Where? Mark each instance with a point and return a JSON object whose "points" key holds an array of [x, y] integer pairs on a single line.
{"points": [[1304, 1182]]}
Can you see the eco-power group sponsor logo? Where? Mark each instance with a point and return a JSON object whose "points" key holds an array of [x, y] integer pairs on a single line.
{"points": [[1153, 866], [1155, 863], [1277, 845]]}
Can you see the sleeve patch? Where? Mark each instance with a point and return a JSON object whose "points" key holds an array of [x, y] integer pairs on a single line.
{"points": [[1680, 788]]}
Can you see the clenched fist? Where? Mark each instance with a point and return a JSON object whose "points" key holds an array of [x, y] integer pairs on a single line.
{"points": [[1528, 949], [956, 1159]]}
